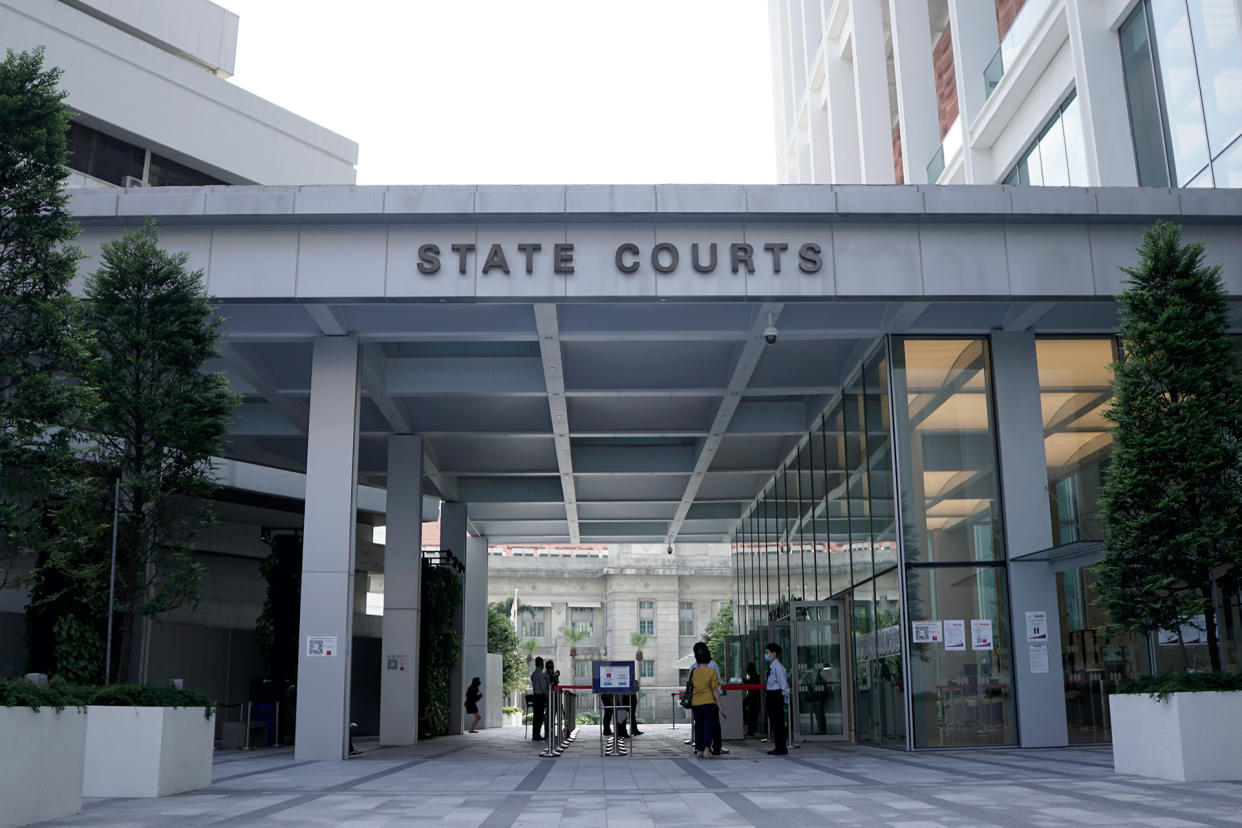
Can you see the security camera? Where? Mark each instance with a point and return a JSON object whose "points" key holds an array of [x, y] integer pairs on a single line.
{"points": [[770, 332], [670, 550]]}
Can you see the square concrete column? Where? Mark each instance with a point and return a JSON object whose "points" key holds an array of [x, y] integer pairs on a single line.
{"points": [[474, 615], [1028, 528], [453, 538], [917, 109], [845, 165], [1102, 105], [403, 579], [328, 529], [975, 41], [875, 125]]}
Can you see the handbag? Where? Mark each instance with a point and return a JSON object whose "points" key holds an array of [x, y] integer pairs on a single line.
{"points": [[685, 697]]}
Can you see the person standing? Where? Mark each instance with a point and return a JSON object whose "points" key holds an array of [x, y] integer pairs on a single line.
{"points": [[776, 696], [705, 704], [539, 700], [473, 694]]}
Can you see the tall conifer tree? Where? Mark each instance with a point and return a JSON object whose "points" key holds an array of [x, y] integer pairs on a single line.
{"points": [[1172, 498], [159, 421]]}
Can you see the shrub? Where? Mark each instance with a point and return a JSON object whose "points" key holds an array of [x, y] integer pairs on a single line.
{"points": [[1161, 686], [509, 711], [588, 718], [57, 695]]}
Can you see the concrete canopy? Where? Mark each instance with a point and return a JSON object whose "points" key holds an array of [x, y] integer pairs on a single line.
{"points": [[624, 401]]}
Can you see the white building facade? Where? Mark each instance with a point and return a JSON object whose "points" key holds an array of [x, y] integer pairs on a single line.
{"points": [[1041, 92]]}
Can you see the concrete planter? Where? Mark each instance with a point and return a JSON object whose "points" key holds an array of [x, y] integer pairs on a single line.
{"points": [[1190, 737], [147, 751], [41, 763], [512, 720]]}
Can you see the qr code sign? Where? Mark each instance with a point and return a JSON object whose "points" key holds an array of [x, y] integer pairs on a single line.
{"points": [[315, 647], [922, 635], [320, 645]]}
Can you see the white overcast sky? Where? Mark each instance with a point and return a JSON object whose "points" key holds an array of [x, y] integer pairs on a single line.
{"points": [[529, 92]]}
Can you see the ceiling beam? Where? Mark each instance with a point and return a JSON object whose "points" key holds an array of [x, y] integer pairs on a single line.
{"points": [[1023, 315], [246, 360], [548, 326], [743, 369], [329, 318]]}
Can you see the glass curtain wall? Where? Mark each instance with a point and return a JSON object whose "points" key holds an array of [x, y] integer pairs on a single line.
{"points": [[1183, 66], [826, 524], [961, 673]]}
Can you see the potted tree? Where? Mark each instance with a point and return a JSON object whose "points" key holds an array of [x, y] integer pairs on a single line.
{"points": [[41, 773], [1171, 507]]}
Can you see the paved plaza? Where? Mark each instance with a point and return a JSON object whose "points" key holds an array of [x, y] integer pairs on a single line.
{"points": [[495, 778]]}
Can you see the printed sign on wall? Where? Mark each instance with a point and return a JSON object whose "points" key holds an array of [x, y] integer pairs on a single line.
{"points": [[926, 632], [319, 646]]}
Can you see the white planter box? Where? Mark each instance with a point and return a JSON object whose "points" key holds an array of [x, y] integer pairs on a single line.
{"points": [[512, 720], [147, 751], [1190, 737], [40, 763]]}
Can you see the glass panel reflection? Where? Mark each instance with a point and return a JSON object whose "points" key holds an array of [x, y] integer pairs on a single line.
{"points": [[818, 671]]}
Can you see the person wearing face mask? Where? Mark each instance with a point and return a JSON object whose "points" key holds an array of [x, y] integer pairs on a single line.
{"points": [[775, 698]]}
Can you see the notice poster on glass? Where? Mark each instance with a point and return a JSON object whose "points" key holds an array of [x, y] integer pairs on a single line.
{"points": [[926, 632], [1036, 625], [981, 633], [955, 636], [1038, 654]]}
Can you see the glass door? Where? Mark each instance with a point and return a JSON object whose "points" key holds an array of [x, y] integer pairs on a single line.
{"points": [[817, 672]]}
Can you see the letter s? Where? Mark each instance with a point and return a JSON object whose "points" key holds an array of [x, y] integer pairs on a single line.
{"points": [[428, 258], [809, 258]]}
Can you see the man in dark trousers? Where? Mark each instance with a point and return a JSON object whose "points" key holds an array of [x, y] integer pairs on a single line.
{"points": [[776, 696], [539, 700]]}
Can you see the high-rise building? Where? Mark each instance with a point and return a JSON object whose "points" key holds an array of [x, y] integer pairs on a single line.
{"points": [[147, 82], [1040, 92]]}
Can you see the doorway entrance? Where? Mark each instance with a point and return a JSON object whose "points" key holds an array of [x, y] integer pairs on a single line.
{"points": [[818, 671]]}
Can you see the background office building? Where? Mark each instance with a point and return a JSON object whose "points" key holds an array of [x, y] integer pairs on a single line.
{"points": [[1039, 92]]}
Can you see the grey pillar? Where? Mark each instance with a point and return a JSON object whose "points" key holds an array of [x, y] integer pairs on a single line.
{"points": [[453, 538], [402, 592], [1028, 528], [917, 110], [326, 621], [474, 614]]}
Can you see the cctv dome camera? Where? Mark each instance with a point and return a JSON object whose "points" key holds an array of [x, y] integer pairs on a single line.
{"points": [[770, 332]]}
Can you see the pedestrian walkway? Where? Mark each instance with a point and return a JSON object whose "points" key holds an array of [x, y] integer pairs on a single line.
{"points": [[496, 778]]}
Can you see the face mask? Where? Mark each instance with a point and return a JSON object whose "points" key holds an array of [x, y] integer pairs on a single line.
{"points": [[767, 657]]}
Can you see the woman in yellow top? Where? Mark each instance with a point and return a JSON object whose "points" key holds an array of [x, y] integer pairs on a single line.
{"points": [[705, 702]]}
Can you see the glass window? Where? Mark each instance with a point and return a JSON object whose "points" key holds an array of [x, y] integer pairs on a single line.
{"points": [[1075, 389], [685, 618], [102, 156], [647, 669], [582, 670], [1228, 167], [165, 172], [646, 617], [1215, 26], [1179, 87], [961, 697], [583, 620], [888, 682], [949, 490], [533, 623], [1058, 157], [1141, 94], [1094, 664]]}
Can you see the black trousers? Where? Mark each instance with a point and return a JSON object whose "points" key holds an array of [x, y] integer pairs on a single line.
{"points": [[776, 720], [706, 727], [539, 706], [608, 698]]}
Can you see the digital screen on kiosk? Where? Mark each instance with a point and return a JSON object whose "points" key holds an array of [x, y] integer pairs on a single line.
{"points": [[612, 676]]}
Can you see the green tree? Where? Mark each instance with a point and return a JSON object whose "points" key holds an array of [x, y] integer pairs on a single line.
{"points": [[573, 635], [1171, 505], [502, 639], [639, 640], [159, 422], [718, 629], [46, 500], [528, 647]]}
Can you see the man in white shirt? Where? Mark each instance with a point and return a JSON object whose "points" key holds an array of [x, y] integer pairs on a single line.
{"points": [[776, 697]]}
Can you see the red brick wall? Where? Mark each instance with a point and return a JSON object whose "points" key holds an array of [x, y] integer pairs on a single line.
{"points": [[1006, 11], [946, 81]]}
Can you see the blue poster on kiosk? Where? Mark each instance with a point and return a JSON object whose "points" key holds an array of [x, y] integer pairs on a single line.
{"points": [[612, 676]]}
